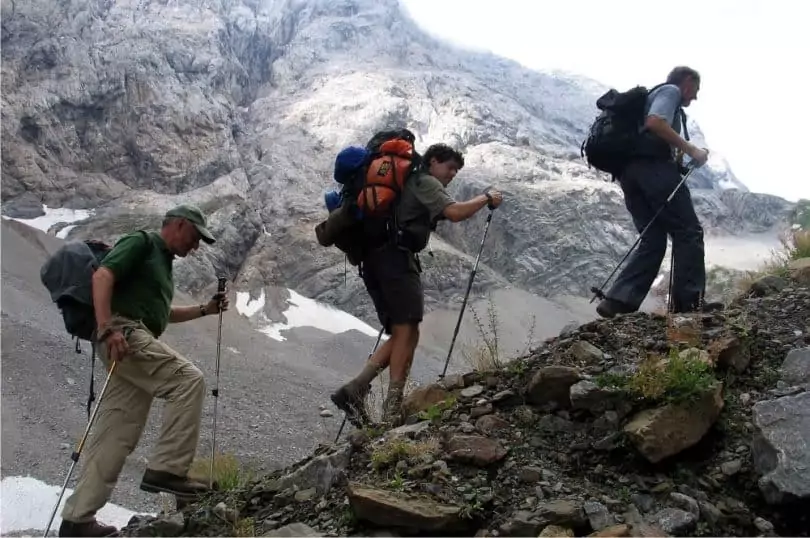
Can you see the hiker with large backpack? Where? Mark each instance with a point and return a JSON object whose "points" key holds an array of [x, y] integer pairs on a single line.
{"points": [[382, 225], [132, 289], [637, 139]]}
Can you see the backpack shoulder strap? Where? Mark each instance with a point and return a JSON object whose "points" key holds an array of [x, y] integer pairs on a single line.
{"points": [[683, 123]]}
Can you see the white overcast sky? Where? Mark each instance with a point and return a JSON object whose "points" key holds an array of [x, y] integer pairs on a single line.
{"points": [[754, 91]]}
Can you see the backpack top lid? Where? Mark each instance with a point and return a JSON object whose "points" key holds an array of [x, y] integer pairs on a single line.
{"points": [[68, 272], [347, 162]]}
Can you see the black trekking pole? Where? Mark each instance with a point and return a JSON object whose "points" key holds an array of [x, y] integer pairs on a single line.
{"points": [[467, 294], [343, 424], [599, 292], [78, 452], [215, 390]]}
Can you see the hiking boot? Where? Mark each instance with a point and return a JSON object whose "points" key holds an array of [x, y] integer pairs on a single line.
{"points": [[608, 308], [179, 486], [705, 308], [392, 409], [88, 528], [352, 402], [714, 306]]}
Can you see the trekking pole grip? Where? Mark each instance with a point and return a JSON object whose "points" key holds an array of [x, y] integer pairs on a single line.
{"points": [[221, 280]]}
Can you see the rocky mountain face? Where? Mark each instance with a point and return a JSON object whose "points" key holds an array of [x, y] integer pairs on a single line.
{"points": [[639, 426], [129, 107]]}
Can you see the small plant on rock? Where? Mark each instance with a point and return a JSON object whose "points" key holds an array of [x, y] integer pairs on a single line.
{"points": [[435, 411], [672, 379], [229, 473]]}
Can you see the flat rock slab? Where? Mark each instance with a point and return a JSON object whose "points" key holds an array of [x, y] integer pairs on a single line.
{"points": [[393, 509], [781, 447], [475, 450]]}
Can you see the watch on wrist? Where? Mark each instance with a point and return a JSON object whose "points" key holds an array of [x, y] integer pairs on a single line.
{"points": [[202, 311]]}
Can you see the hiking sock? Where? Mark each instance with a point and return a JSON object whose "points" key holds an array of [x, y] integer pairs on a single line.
{"points": [[392, 408], [360, 384]]}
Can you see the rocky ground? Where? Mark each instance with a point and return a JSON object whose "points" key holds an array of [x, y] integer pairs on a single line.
{"points": [[643, 425]]}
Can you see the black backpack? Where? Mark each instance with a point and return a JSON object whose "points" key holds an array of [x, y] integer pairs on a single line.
{"points": [[614, 136]]}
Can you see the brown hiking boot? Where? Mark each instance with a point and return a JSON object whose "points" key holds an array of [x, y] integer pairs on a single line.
{"points": [[352, 402], [180, 486], [89, 528]]}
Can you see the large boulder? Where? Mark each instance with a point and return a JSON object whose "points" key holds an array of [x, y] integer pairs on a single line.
{"points": [[661, 432], [780, 447]]}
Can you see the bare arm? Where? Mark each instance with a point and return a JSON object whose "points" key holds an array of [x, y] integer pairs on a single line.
{"points": [[103, 281], [179, 314], [459, 211], [661, 128], [219, 302]]}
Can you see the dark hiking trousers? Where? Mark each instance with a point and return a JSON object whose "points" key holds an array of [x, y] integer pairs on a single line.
{"points": [[646, 186]]}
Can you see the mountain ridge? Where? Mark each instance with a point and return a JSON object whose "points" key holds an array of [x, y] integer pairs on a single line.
{"points": [[241, 107]]}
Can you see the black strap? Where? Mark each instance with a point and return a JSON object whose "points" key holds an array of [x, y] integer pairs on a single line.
{"points": [[683, 122], [92, 397]]}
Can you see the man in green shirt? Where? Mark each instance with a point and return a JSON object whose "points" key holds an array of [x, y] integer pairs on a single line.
{"points": [[132, 295], [392, 278]]}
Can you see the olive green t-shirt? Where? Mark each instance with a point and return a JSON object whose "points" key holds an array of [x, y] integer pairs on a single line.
{"points": [[144, 286], [423, 201]]}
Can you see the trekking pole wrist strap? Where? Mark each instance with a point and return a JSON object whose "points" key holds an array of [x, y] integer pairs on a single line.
{"points": [[105, 333]]}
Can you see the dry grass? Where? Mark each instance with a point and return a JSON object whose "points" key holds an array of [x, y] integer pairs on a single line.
{"points": [[485, 354], [391, 451], [244, 527], [228, 472], [795, 245]]}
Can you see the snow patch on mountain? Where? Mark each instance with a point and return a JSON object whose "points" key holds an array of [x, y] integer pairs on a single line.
{"points": [[53, 216], [301, 311]]}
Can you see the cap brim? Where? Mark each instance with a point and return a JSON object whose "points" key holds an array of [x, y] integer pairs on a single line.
{"points": [[205, 234]]}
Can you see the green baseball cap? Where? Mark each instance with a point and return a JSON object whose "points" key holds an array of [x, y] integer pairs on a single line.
{"points": [[194, 216]]}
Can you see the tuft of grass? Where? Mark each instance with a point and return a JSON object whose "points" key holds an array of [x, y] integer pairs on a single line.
{"points": [[229, 474], [664, 380], [244, 527], [391, 451], [435, 411]]}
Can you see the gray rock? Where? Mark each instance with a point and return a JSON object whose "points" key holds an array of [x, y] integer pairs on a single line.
{"points": [[598, 515], [781, 438], [710, 513], [674, 521], [472, 392], [643, 501], [795, 369], [588, 395], [292, 530], [730, 468], [586, 352], [320, 473], [685, 502], [764, 526]]}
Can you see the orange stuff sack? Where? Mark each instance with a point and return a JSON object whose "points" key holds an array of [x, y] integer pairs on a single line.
{"points": [[385, 176]]}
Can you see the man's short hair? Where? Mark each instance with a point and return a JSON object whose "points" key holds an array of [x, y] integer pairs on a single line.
{"points": [[442, 153], [681, 73]]}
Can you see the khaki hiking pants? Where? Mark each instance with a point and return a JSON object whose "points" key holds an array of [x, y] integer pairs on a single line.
{"points": [[150, 370]]}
